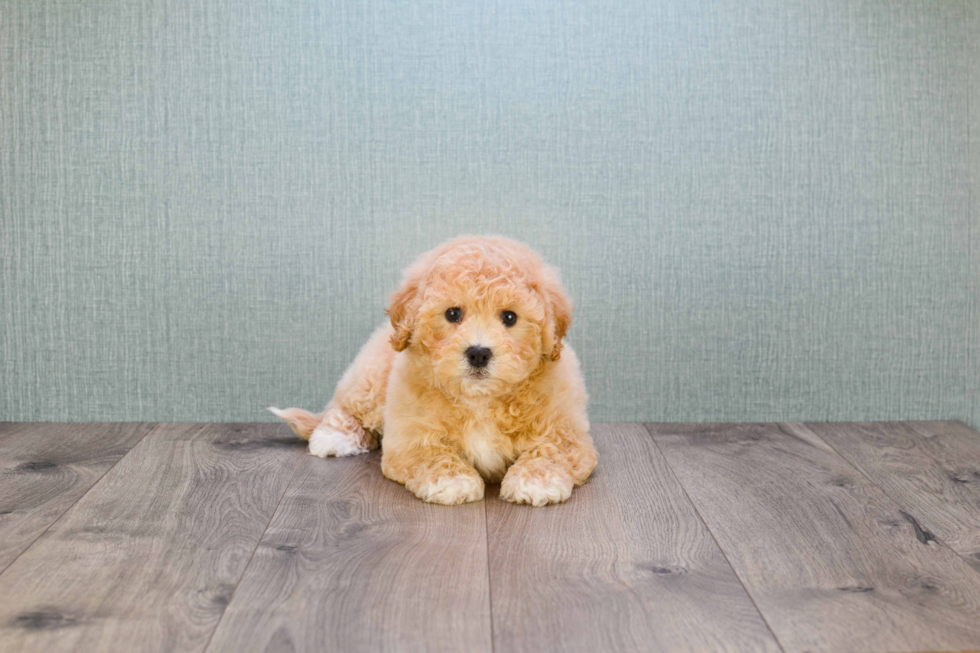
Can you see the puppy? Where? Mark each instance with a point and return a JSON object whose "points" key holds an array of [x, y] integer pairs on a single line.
{"points": [[469, 383]]}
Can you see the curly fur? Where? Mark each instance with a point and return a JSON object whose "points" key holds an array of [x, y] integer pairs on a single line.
{"points": [[447, 427]]}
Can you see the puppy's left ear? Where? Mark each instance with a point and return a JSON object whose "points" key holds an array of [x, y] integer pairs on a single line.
{"points": [[559, 310]]}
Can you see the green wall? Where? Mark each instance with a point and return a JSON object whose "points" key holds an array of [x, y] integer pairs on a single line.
{"points": [[764, 210]]}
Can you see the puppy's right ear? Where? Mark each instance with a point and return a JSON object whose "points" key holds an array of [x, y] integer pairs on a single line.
{"points": [[404, 304], [559, 310]]}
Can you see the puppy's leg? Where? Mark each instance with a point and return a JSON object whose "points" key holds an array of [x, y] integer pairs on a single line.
{"points": [[436, 474], [355, 414], [334, 432], [360, 392], [547, 472], [339, 434]]}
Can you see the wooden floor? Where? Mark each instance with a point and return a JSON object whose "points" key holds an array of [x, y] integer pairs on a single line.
{"points": [[707, 537]]}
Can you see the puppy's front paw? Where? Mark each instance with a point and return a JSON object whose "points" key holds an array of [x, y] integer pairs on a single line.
{"points": [[450, 490], [326, 441], [536, 484]]}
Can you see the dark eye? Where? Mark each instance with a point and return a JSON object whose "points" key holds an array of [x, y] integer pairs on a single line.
{"points": [[509, 318], [454, 314]]}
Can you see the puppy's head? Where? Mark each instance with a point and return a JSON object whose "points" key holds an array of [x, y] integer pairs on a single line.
{"points": [[485, 311]]}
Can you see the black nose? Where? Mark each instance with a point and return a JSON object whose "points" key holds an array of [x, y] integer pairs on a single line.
{"points": [[479, 356]]}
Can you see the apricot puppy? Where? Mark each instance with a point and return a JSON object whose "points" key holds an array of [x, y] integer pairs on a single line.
{"points": [[469, 383]]}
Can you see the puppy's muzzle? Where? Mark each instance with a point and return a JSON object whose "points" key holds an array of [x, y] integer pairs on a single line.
{"points": [[479, 356]]}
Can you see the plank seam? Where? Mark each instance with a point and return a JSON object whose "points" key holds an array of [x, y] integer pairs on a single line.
{"points": [[697, 511], [82, 496], [907, 513], [486, 530], [248, 564]]}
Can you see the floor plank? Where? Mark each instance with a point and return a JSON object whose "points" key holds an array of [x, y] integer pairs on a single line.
{"points": [[932, 469], [148, 558], [626, 564], [46, 467], [830, 559], [354, 562]]}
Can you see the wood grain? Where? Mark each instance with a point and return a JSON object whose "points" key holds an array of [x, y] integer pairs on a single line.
{"points": [[831, 561], [354, 562], [931, 469], [148, 559], [46, 467], [625, 564]]}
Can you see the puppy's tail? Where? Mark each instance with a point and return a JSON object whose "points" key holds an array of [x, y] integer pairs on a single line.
{"points": [[301, 421]]}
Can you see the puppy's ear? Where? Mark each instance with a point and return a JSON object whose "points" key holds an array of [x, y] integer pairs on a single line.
{"points": [[559, 310], [404, 303], [407, 300]]}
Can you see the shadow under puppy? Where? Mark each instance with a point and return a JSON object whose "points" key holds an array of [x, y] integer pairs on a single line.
{"points": [[470, 381]]}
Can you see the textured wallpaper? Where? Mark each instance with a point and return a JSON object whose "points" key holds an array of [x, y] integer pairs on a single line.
{"points": [[764, 210]]}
